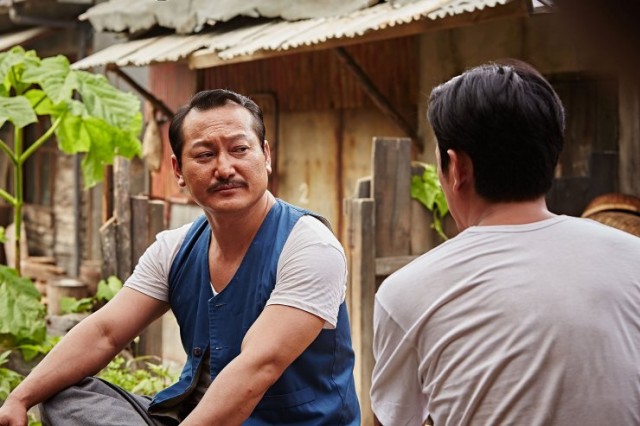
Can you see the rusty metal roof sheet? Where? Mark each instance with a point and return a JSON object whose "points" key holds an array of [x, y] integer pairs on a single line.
{"points": [[278, 34]]}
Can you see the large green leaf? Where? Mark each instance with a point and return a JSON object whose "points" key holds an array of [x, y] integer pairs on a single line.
{"points": [[17, 110], [12, 65], [126, 142], [104, 101], [22, 316], [101, 152], [54, 76], [72, 136], [42, 104]]}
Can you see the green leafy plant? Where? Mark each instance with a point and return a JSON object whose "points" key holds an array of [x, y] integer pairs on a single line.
{"points": [[427, 190], [9, 379], [22, 316], [147, 380], [86, 113], [31, 350], [107, 289]]}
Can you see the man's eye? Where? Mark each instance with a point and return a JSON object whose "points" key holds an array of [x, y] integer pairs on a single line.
{"points": [[206, 154], [242, 149]]}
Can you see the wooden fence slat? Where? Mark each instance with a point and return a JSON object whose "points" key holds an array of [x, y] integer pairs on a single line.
{"points": [[109, 244], [147, 221], [122, 207], [362, 288], [391, 189]]}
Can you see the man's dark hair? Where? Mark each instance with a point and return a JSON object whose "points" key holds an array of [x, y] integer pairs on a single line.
{"points": [[210, 99], [510, 122]]}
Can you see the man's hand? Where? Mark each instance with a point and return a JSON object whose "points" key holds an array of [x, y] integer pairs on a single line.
{"points": [[13, 413]]}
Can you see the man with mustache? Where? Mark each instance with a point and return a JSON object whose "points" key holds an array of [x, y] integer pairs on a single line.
{"points": [[257, 287], [525, 317]]}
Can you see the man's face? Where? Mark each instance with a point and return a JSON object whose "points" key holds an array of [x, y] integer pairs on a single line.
{"points": [[223, 165]]}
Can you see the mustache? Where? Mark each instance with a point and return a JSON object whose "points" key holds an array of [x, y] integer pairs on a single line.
{"points": [[226, 184]]}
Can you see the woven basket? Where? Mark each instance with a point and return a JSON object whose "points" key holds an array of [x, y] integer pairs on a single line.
{"points": [[619, 211]]}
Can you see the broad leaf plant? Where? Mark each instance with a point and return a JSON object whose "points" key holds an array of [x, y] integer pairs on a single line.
{"points": [[87, 116]]}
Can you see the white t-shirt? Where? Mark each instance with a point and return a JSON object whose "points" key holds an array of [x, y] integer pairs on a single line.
{"points": [[535, 324], [311, 274]]}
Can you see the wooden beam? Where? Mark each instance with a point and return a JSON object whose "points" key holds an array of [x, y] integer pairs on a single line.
{"points": [[391, 191], [109, 246], [513, 9], [157, 103], [362, 286], [376, 96], [147, 221], [122, 211]]}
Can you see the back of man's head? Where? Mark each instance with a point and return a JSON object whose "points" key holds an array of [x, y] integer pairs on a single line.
{"points": [[509, 121]]}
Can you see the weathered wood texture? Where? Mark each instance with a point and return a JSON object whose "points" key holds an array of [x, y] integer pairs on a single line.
{"points": [[391, 188], [173, 84], [380, 241], [147, 221], [122, 211], [108, 245], [361, 221]]}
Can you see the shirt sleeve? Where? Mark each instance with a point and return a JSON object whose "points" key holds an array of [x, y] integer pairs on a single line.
{"points": [[312, 272], [151, 274], [395, 388]]}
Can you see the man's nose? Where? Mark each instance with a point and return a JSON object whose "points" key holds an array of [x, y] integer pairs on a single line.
{"points": [[224, 167]]}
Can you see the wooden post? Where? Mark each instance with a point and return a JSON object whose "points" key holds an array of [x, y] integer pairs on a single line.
{"points": [[139, 226], [122, 207], [146, 221], [391, 189], [361, 225], [109, 244]]}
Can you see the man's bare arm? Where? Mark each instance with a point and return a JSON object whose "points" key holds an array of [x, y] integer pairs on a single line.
{"points": [[88, 347], [276, 339]]}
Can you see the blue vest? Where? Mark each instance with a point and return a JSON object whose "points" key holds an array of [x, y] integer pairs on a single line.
{"points": [[316, 389]]}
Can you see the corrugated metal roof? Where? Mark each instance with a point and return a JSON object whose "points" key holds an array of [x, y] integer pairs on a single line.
{"points": [[278, 34], [7, 41], [187, 17]]}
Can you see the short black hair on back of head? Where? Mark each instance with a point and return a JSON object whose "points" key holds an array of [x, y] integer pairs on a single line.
{"points": [[510, 122], [211, 99]]}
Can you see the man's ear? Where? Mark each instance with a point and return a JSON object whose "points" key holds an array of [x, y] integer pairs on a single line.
{"points": [[267, 156], [460, 170], [176, 171]]}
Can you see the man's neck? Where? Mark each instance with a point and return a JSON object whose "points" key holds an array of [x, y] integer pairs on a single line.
{"points": [[511, 213], [232, 233]]}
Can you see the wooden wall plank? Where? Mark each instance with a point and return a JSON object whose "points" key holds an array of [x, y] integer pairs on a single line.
{"points": [[362, 287], [109, 244], [148, 220], [122, 210], [139, 226], [391, 188]]}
